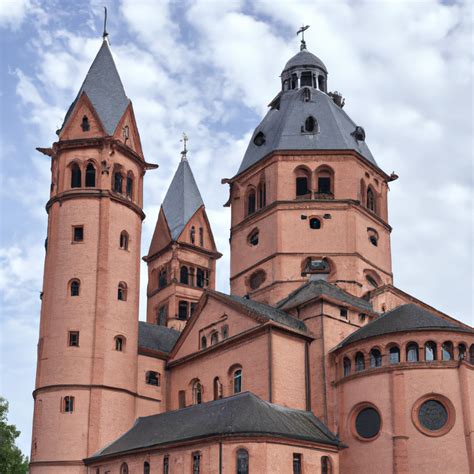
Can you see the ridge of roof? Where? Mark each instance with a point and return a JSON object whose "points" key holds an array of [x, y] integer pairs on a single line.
{"points": [[243, 413], [182, 199], [156, 337], [104, 89], [406, 317]]}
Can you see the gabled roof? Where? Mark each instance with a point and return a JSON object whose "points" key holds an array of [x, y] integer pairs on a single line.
{"points": [[182, 200], [314, 289], [104, 89], [282, 128], [242, 414], [156, 338], [265, 311], [404, 318]]}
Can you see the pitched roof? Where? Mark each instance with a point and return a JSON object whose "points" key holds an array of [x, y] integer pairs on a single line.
{"points": [[314, 289], [282, 128], [155, 337], [241, 414], [182, 200], [104, 89], [266, 311], [404, 318]]}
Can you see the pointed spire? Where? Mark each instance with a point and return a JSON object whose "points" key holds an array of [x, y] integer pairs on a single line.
{"points": [[183, 198]]}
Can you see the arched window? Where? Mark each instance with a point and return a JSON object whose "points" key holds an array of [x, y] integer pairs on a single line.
{"points": [[197, 393], [129, 185], [238, 381], [394, 355], [162, 278], [118, 179], [85, 124], [203, 342], [347, 366], [303, 183], [242, 461], [152, 378], [124, 468], [447, 352], [252, 238], [200, 278], [310, 125], [75, 286], [325, 180], [462, 349], [122, 291], [262, 194], [119, 343], [251, 202], [90, 175], [326, 467], [214, 338], [225, 331], [124, 240], [371, 200], [412, 352], [217, 386], [471, 354], [76, 180], [183, 310], [430, 351], [146, 467], [192, 234], [375, 358], [166, 463], [184, 275], [359, 362], [294, 81]]}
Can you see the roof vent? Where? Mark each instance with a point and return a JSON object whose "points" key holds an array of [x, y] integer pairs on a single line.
{"points": [[337, 98], [259, 139], [359, 134]]}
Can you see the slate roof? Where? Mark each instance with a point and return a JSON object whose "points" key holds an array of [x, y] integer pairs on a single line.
{"points": [[313, 289], [155, 337], [404, 318], [282, 128], [305, 58], [268, 312], [182, 200], [242, 414], [104, 89]]}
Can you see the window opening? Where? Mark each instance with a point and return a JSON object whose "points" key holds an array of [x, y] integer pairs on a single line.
{"points": [[182, 399], [146, 467], [259, 139], [197, 393], [225, 332], [253, 237], [183, 310], [166, 465], [359, 362], [324, 185], [347, 366], [310, 124], [162, 315], [152, 378], [238, 381], [74, 338], [118, 180], [412, 352], [200, 278], [68, 404], [371, 200], [325, 465], [297, 463], [196, 463], [122, 291], [302, 188], [314, 223], [162, 278], [75, 287], [201, 236], [192, 234], [242, 461], [447, 352], [78, 233], [184, 275], [203, 342], [343, 312], [217, 386], [462, 351], [251, 202], [368, 423], [375, 358], [430, 351], [85, 124], [257, 279], [76, 180], [90, 175], [119, 344], [214, 338], [394, 355], [129, 186], [124, 240], [124, 468]]}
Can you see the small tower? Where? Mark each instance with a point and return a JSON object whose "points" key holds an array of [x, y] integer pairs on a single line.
{"points": [[87, 349], [182, 255], [308, 201]]}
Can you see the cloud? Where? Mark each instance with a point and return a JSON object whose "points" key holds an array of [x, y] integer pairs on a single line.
{"points": [[13, 12]]}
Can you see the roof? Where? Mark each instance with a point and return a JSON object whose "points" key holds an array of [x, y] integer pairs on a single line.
{"points": [[156, 338], [104, 89], [282, 128], [182, 200], [267, 312], [241, 414], [407, 317], [314, 289], [304, 58]]}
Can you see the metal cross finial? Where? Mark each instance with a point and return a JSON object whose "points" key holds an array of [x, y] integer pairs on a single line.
{"points": [[303, 42], [105, 34], [185, 150]]}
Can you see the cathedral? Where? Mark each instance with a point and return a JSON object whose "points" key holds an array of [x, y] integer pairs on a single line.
{"points": [[314, 363]]}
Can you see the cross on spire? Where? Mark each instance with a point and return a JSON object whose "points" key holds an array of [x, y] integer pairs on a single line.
{"points": [[185, 150], [105, 34], [302, 30]]}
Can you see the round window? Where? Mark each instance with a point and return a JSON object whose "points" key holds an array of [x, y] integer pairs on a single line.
{"points": [[367, 423], [315, 223], [433, 415], [259, 139], [256, 279]]}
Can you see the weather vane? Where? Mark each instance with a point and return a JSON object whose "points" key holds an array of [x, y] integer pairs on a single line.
{"points": [[105, 34], [303, 42], [185, 150]]}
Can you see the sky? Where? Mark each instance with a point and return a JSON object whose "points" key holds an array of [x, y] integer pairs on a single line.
{"points": [[210, 68]]}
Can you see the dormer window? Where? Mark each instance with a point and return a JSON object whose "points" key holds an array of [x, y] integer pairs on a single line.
{"points": [[306, 94], [259, 139], [310, 124], [85, 124]]}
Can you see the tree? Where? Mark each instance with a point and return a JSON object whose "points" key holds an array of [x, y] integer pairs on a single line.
{"points": [[12, 461]]}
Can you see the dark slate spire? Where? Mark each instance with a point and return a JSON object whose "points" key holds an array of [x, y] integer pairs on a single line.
{"points": [[182, 200], [104, 89]]}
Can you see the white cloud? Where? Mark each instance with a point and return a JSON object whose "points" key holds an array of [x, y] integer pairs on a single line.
{"points": [[13, 12]]}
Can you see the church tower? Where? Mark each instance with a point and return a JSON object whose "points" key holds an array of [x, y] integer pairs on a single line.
{"points": [[182, 255], [308, 201], [87, 349]]}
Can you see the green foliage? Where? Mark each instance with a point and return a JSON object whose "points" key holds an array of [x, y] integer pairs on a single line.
{"points": [[12, 460]]}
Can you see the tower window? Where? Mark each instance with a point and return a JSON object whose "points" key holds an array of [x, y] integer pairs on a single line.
{"points": [[394, 355], [184, 275], [192, 234], [326, 465], [119, 343], [359, 362], [257, 279], [347, 366], [242, 461], [146, 467], [302, 186], [122, 291], [238, 381], [197, 393], [447, 351], [322, 83], [124, 240], [196, 463], [225, 332], [343, 312], [166, 463], [85, 125], [314, 223], [262, 194], [152, 378], [68, 404], [324, 185], [375, 358], [251, 202], [200, 280], [259, 139], [78, 233], [162, 318], [373, 236], [412, 352], [90, 175], [306, 79], [73, 337], [129, 186], [201, 236], [297, 463], [162, 278], [294, 81], [371, 281], [214, 338], [183, 310], [75, 287], [203, 342], [252, 239], [371, 200], [118, 179], [124, 468], [76, 180], [310, 124]]}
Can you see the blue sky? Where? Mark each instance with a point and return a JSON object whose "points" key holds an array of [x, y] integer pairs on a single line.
{"points": [[210, 68]]}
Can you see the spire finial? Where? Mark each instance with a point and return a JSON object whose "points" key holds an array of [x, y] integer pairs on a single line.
{"points": [[303, 42], [185, 150], [105, 34]]}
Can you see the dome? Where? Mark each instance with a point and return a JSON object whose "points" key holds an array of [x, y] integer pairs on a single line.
{"points": [[305, 58]]}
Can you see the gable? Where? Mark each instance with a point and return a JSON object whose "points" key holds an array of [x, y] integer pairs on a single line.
{"points": [[161, 236], [199, 221], [127, 131]]}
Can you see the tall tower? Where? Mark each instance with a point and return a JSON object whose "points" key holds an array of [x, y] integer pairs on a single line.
{"points": [[308, 201], [182, 255], [87, 350]]}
